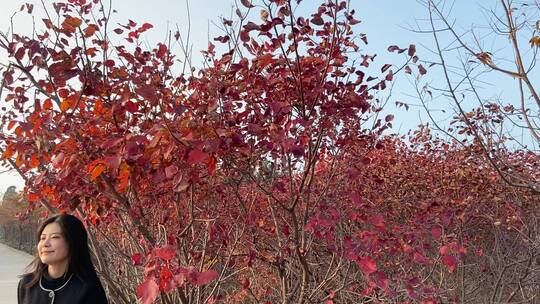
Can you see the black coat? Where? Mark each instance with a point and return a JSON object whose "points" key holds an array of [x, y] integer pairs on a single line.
{"points": [[76, 291]]}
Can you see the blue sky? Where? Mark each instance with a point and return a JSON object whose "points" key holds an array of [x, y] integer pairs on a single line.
{"points": [[384, 21]]}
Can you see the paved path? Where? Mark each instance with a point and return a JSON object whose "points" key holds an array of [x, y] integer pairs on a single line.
{"points": [[12, 264]]}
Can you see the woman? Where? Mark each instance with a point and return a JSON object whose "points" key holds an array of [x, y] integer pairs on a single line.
{"points": [[62, 271]]}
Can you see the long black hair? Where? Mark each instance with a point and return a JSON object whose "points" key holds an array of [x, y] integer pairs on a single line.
{"points": [[80, 264]]}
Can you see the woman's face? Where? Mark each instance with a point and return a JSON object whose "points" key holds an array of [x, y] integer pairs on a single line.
{"points": [[52, 247]]}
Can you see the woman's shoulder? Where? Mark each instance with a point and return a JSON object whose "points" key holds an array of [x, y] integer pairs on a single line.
{"points": [[23, 292], [25, 279]]}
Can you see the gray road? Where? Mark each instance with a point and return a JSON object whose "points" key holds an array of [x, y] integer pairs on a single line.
{"points": [[12, 264]]}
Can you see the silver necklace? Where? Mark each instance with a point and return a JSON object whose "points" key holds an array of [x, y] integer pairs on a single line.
{"points": [[52, 293]]}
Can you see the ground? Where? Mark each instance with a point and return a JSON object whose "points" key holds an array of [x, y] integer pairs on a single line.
{"points": [[12, 264]]}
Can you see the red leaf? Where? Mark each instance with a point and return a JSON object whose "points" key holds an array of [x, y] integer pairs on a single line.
{"points": [[250, 26], [63, 93], [162, 51], [394, 48], [147, 92], [145, 27], [317, 20], [444, 249], [203, 278], [422, 70], [408, 70], [171, 170], [109, 63], [244, 36], [131, 106], [412, 50], [385, 67], [113, 162], [48, 23], [247, 3], [420, 259], [246, 283], [389, 76], [137, 259], [380, 279], [196, 157], [436, 232], [368, 265], [166, 253], [265, 60], [450, 262], [20, 53], [377, 221], [29, 7], [148, 291]]}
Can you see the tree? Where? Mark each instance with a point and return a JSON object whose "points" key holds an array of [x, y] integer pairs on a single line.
{"points": [[255, 179], [469, 67]]}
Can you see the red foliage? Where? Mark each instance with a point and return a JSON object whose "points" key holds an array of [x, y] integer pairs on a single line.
{"points": [[256, 177]]}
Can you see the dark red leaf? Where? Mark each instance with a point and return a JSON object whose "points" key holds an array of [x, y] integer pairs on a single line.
{"points": [[389, 76], [317, 20], [136, 259], [385, 67], [131, 106], [196, 157], [113, 162], [247, 3], [412, 50], [422, 70], [171, 170]]}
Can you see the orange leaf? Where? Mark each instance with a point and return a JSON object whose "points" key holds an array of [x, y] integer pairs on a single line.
{"points": [[90, 30], [211, 164], [31, 197], [34, 161], [91, 52], [65, 105], [265, 60], [8, 152], [96, 171], [47, 105], [19, 131], [72, 21], [11, 124]]}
